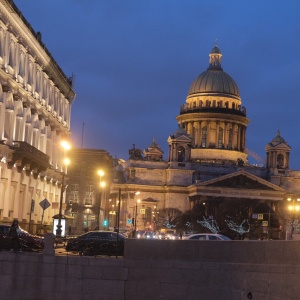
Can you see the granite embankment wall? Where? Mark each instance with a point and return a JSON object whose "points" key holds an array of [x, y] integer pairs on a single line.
{"points": [[153, 269]]}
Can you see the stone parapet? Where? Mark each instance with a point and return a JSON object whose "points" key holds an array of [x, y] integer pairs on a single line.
{"points": [[155, 269]]}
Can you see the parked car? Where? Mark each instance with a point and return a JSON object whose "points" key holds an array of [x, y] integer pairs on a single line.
{"points": [[160, 236], [139, 233], [206, 237], [173, 236], [170, 234], [149, 235], [28, 241], [97, 243]]}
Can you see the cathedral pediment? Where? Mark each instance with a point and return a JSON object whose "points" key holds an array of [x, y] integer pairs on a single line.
{"points": [[282, 146], [241, 180]]}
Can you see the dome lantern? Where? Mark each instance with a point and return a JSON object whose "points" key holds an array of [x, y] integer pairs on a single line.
{"points": [[215, 58]]}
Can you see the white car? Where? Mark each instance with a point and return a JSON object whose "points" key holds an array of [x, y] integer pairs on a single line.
{"points": [[206, 237]]}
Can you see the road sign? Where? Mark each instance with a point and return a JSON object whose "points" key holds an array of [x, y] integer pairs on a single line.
{"points": [[142, 211], [45, 204], [129, 221], [254, 216], [265, 223], [260, 216]]}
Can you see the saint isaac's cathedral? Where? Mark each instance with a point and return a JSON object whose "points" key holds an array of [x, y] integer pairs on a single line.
{"points": [[207, 159]]}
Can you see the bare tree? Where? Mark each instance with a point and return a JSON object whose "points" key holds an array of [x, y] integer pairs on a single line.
{"points": [[169, 217]]}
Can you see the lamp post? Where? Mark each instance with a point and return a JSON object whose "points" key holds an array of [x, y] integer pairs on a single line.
{"points": [[293, 208], [66, 146], [136, 207], [154, 218], [102, 185]]}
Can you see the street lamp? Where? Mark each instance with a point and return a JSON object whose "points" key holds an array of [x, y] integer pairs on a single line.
{"points": [[154, 217], [136, 207], [66, 146], [101, 185]]}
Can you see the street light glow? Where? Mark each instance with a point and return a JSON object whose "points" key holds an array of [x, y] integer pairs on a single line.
{"points": [[102, 184], [66, 145], [66, 161], [101, 173]]}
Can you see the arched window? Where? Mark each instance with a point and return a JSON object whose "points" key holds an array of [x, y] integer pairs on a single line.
{"points": [[181, 154], [220, 138], [204, 137], [280, 161]]}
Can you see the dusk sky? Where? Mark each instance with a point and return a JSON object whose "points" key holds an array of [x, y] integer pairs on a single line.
{"points": [[134, 61]]}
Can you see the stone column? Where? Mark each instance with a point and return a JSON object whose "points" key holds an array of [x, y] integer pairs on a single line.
{"points": [[226, 135], [234, 136]]}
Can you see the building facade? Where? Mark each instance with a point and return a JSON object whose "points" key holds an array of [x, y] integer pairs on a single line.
{"points": [[207, 158], [35, 107], [87, 196]]}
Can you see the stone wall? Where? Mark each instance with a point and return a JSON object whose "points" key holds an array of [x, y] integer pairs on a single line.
{"points": [[153, 269]]}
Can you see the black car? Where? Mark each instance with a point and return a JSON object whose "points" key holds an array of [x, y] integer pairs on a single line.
{"points": [[28, 241], [97, 243]]}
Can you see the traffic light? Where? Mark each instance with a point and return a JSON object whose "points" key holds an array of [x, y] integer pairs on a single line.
{"points": [[105, 223]]}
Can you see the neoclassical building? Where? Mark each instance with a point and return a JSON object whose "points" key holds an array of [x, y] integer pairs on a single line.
{"points": [[35, 107], [207, 157]]}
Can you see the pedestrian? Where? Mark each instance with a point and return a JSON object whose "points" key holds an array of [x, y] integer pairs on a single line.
{"points": [[14, 234], [180, 234]]}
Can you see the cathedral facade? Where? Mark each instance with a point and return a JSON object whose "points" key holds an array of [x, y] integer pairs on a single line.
{"points": [[207, 158]]}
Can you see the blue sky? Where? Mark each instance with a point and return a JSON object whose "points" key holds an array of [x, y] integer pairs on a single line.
{"points": [[135, 60]]}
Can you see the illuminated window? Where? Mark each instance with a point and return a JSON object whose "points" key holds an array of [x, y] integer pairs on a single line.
{"points": [[181, 154], [89, 194]]}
